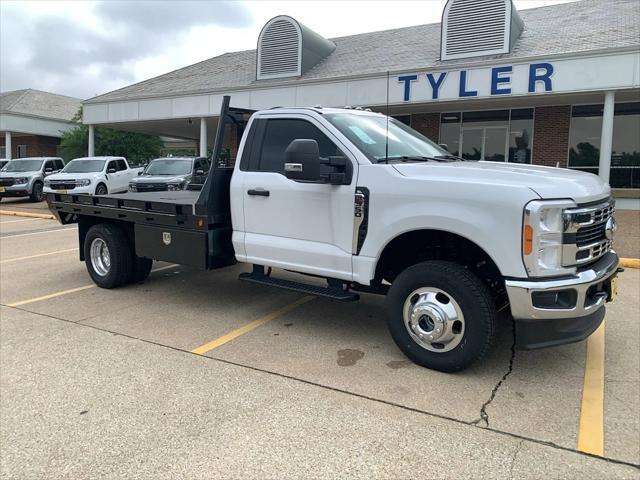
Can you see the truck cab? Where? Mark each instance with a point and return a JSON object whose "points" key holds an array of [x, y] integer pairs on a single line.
{"points": [[370, 205]]}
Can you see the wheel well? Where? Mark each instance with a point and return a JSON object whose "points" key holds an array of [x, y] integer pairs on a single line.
{"points": [[422, 245], [103, 184]]}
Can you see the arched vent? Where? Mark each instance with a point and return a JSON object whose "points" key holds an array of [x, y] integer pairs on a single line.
{"points": [[472, 28], [286, 48], [279, 49]]}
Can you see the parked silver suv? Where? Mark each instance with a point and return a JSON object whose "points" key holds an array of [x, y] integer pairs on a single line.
{"points": [[24, 177]]}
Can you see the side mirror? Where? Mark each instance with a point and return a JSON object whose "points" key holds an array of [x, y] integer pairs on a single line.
{"points": [[444, 145], [139, 172], [48, 170], [199, 172], [302, 160], [111, 170]]}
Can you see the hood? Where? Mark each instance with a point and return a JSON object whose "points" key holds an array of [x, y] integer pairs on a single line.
{"points": [[18, 174], [71, 176], [547, 182], [160, 178]]}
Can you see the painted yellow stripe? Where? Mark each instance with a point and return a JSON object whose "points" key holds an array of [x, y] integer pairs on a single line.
{"points": [[630, 262], [23, 220], [591, 430], [201, 350], [17, 259], [27, 214], [71, 290]]}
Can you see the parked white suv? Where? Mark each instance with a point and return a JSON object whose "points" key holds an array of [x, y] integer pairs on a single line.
{"points": [[92, 175]]}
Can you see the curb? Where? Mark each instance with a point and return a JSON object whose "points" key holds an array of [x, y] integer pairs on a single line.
{"points": [[27, 214], [630, 262]]}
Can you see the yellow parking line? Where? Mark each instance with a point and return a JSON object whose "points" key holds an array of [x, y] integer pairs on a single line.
{"points": [[17, 259], [23, 220], [591, 430], [27, 214], [72, 290], [201, 350]]}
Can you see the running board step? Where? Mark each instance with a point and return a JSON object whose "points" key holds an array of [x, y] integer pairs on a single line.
{"points": [[327, 292]]}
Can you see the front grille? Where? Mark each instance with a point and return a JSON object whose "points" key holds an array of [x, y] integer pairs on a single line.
{"points": [[69, 185], [585, 238], [6, 182], [151, 187]]}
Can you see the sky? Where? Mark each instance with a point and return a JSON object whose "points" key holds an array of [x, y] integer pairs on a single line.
{"points": [[86, 48]]}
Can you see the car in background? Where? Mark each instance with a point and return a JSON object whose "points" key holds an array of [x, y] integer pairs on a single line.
{"points": [[93, 176], [169, 174], [25, 177]]}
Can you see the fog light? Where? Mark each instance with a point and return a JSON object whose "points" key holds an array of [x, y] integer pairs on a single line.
{"points": [[555, 299]]}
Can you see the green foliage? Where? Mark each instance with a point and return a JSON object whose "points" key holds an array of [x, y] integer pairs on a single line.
{"points": [[137, 148]]}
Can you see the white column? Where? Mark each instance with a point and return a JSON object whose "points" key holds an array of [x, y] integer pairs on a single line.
{"points": [[7, 144], [203, 137], [606, 137], [91, 147]]}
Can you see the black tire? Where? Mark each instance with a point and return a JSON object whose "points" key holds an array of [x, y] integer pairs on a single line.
{"points": [[119, 252], [101, 189], [473, 299], [141, 269], [37, 194]]}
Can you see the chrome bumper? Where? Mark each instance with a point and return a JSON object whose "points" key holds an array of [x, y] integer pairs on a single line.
{"points": [[521, 292]]}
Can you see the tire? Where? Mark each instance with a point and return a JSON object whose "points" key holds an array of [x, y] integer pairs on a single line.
{"points": [[141, 269], [101, 189], [113, 267], [441, 301], [36, 192]]}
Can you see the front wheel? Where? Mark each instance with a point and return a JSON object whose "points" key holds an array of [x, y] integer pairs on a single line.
{"points": [[108, 255], [101, 189], [37, 194], [441, 315]]}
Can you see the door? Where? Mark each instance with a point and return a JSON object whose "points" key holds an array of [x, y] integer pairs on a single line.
{"points": [[307, 227]]}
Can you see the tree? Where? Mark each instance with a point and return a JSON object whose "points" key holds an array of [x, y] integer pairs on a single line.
{"points": [[137, 148]]}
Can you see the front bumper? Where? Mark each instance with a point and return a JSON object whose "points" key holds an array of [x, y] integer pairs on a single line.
{"points": [[578, 309], [88, 190], [22, 190]]}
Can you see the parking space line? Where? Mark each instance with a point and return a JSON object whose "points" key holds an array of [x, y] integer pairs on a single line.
{"points": [[591, 430], [72, 290], [73, 229], [17, 259], [201, 350], [23, 220]]}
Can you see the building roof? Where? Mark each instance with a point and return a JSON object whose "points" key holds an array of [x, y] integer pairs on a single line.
{"points": [[583, 26], [36, 103]]}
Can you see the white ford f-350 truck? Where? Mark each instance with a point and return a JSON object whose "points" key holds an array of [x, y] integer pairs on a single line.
{"points": [[372, 206]]}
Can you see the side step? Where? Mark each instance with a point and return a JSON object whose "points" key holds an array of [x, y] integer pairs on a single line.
{"points": [[333, 293]]}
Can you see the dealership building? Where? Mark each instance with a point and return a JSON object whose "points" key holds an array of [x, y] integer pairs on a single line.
{"points": [[556, 86]]}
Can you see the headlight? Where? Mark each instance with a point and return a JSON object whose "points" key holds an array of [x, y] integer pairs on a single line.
{"points": [[21, 180], [133, 187], [85, 182], [542, 237], [175, 186], [47, 183]]}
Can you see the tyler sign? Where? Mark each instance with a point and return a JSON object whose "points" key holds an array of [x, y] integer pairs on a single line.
{"points": [[482, 82]]}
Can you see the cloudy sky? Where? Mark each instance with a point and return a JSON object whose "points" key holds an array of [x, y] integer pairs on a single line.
{"points": [[85, 48]]}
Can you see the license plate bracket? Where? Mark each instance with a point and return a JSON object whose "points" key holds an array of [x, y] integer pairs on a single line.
{"points": [[611, 286]]}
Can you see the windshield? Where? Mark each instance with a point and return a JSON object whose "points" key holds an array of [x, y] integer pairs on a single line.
{"points": [[369, 133], [84, 166], [168, 166], [22, 166]]}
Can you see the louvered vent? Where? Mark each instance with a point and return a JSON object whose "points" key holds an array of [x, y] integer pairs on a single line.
{"points": [[472, 28], [279, 49]]}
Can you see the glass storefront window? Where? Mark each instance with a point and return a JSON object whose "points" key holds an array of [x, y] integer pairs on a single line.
{"points": [[584, 142], [495, 135]]}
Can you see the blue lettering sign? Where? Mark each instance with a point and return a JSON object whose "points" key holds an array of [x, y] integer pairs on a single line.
{"points": [[463, 92], [407, 79], [535, 76], [496, 80], [435, 84]]}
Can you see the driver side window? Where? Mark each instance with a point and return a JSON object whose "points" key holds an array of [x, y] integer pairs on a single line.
{"points": [[111, 165], [49, 165], [279, 133]]}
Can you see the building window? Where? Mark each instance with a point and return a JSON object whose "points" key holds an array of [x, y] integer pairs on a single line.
{"points": [[22, 151], [3, 152], [406, 119], [584, 142], [495, 135]]}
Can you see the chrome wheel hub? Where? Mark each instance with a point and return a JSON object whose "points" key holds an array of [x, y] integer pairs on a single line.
{"points": [[100, 258], [433, 319]]}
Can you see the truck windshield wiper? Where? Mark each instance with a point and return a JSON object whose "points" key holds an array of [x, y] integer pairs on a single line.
{"points": [[450, 156], [412, 158]]}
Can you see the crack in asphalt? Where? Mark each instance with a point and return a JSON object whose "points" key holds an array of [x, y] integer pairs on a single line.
{"points": [[484, 416], [513, 459], [346, 392]]}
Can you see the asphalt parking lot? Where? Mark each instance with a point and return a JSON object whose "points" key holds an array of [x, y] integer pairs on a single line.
{"points": [[195, 374]]}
